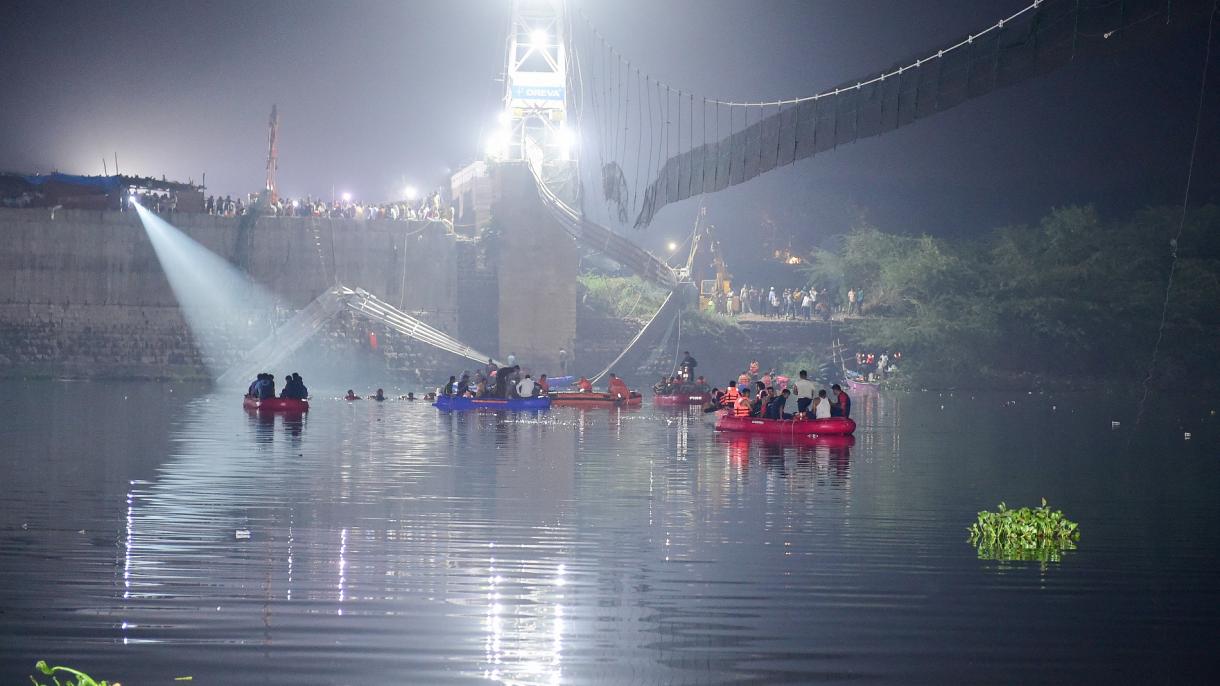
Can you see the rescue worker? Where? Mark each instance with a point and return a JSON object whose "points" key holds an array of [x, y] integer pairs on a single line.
{"points": [[731, 394], [618, 388], [741, 406], [841, 407], [687, 366], [525, 387]]}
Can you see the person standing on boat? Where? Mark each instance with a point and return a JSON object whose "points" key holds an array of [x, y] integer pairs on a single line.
{"points": [[544, 386], [525, 387], [449, 387], [841, 407], [804, 391], [687, 366], [821, 406]]}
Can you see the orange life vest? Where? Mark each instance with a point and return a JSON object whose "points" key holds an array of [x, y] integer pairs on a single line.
{"points": [[741, 408], [730, 396]]}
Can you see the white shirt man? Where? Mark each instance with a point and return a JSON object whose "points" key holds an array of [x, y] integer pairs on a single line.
{"points": [[805, 390], [525, 387], [821, 408]]}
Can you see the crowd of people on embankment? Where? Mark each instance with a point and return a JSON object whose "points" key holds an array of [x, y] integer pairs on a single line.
{"points": [[806, 303], [431, 207]]}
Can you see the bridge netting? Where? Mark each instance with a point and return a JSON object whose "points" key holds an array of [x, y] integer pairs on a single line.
{"points": [[291, 335], [657, 144]]}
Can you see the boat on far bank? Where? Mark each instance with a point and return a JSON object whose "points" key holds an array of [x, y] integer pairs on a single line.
{"points": [[458, 403], [833, 426], [275, 404]]}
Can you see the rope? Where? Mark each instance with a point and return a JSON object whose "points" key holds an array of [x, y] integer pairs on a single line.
{"points": [[1190, 169]]}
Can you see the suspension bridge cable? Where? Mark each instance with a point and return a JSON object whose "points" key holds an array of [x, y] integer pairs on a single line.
{"points": [[1175, 245]]}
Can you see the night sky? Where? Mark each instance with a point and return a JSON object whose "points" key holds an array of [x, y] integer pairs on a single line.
{"points": [[374, 96]]}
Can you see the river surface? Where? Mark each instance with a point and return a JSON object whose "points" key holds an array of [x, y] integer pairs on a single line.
{"points": [[152, 532]]}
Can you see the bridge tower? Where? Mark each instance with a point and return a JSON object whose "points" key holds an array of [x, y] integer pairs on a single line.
{"points": [[533, 124]]}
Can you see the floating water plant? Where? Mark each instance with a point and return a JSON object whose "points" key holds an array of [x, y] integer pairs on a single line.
{"points": [[82, 679], [1038, 534]]}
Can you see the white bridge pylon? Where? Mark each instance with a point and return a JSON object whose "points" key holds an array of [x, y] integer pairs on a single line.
{"points": [[290, 336]]}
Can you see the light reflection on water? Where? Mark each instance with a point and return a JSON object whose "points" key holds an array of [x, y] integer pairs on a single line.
{"points": [[389, 541]]}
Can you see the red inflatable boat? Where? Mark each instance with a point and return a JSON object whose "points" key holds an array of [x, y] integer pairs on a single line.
{"points": [[835, 426], [275, 404]]}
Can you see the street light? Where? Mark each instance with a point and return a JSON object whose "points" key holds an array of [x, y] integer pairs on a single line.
{"points": [[347, 197], [672, 247], [411, 193], [538, 39]]}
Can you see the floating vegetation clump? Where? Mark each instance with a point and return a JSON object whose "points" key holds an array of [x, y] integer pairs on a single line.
{"points": [[1032, 534], [81, 679]]}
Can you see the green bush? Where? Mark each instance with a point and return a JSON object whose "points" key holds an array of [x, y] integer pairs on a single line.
{"points": [[621, 296]]}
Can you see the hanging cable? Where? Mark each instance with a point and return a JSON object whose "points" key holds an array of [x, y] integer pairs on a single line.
{"points": [[1175, 245]]}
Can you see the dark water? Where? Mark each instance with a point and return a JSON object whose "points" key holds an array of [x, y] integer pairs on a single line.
{"points": [[392, 544]]}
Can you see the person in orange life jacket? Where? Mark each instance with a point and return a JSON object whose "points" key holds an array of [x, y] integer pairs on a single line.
{"points": [[618, 388], [584, 385], [730, 395], [543, 385], [741, 406]]}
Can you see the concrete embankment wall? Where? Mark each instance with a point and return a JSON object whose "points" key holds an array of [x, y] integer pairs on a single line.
{"points": [[82, 293]]}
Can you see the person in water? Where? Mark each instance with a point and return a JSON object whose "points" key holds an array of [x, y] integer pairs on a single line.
{"points": [[409, 396], [380, 395], [351, 395]]}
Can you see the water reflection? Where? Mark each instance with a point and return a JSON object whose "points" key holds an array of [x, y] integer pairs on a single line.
{"points": [[589, 546]]}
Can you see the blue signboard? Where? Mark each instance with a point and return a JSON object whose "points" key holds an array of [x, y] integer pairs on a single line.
{"points": [[538, 93]]}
